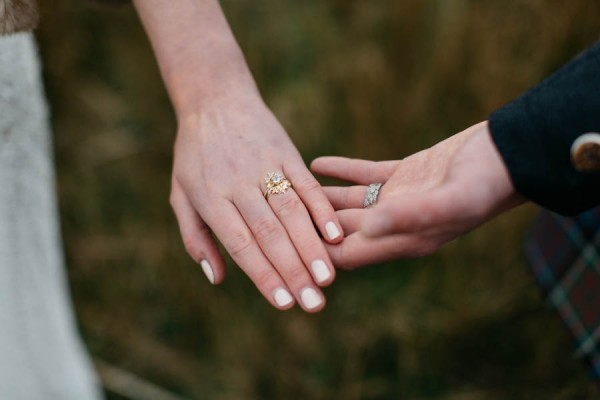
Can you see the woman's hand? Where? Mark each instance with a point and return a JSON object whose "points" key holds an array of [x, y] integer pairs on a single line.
{"points": [[427, 199], [221, 159], [227, 142]]}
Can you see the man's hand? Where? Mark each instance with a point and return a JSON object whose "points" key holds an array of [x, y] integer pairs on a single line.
{"points": [[427, 199]]}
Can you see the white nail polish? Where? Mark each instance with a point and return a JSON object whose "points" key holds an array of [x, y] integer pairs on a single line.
{"points": [[282, 297], [320, 271], [310, 298], [208, 271], [332, 230]]}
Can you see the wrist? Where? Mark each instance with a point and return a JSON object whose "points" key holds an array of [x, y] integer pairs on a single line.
{"points": [[238, 103], [195, 89], [199, 58]]}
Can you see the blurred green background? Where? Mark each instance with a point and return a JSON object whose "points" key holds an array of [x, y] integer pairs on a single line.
{"points": [[369, 79]]}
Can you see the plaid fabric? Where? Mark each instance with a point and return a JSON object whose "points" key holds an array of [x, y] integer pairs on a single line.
{"points": [[564, 255]]}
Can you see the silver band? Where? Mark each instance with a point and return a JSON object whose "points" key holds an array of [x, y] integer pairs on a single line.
{"points": [[371, 195]]}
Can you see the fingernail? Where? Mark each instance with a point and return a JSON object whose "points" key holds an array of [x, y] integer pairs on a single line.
{"points": [[332, 230], [282, 297], [310, 298], [208, 271], [320, 271]]}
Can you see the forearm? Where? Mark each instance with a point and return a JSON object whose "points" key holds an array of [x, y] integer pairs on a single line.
{"points": [[199, 58]]}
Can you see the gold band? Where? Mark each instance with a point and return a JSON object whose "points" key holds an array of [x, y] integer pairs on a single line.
{"points": [[276, 184]]}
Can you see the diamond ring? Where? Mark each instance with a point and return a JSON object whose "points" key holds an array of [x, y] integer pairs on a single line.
{"points": [[276, 184], [371, 194]]}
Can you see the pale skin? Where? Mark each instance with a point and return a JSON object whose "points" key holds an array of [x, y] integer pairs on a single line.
{"points": [[427, 200], [227, 142]]}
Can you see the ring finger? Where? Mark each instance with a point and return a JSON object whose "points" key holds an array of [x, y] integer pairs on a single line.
{"points": [[296, 220], [278, 248]]}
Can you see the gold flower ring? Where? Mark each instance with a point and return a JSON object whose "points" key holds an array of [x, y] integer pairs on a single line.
{"points": [[276, 184]]}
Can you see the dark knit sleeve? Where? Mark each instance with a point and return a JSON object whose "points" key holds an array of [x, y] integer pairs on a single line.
{"points": [[534, 134]]}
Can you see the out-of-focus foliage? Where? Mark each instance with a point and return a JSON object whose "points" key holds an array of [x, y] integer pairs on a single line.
{"points": [[370, 79]]}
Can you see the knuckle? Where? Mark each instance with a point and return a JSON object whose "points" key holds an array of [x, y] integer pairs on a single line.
{"points": [[266, 230], [192, 247], [289, 205], [239, 243], [296, 275], [307, 246], [264, 278], [322, 212]]}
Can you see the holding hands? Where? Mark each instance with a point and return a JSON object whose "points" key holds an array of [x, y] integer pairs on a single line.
{"points": [[228, 142]]}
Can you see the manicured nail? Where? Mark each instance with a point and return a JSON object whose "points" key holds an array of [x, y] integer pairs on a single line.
{"points": [[208, 271], [310, 298], [320, 271], [332, 230], [282, 297]]}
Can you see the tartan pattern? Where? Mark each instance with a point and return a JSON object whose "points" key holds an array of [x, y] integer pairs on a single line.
{"points": [[564, 255]]}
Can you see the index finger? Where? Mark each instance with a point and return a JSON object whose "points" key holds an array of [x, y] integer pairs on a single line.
{"points": [[363, 172]]}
